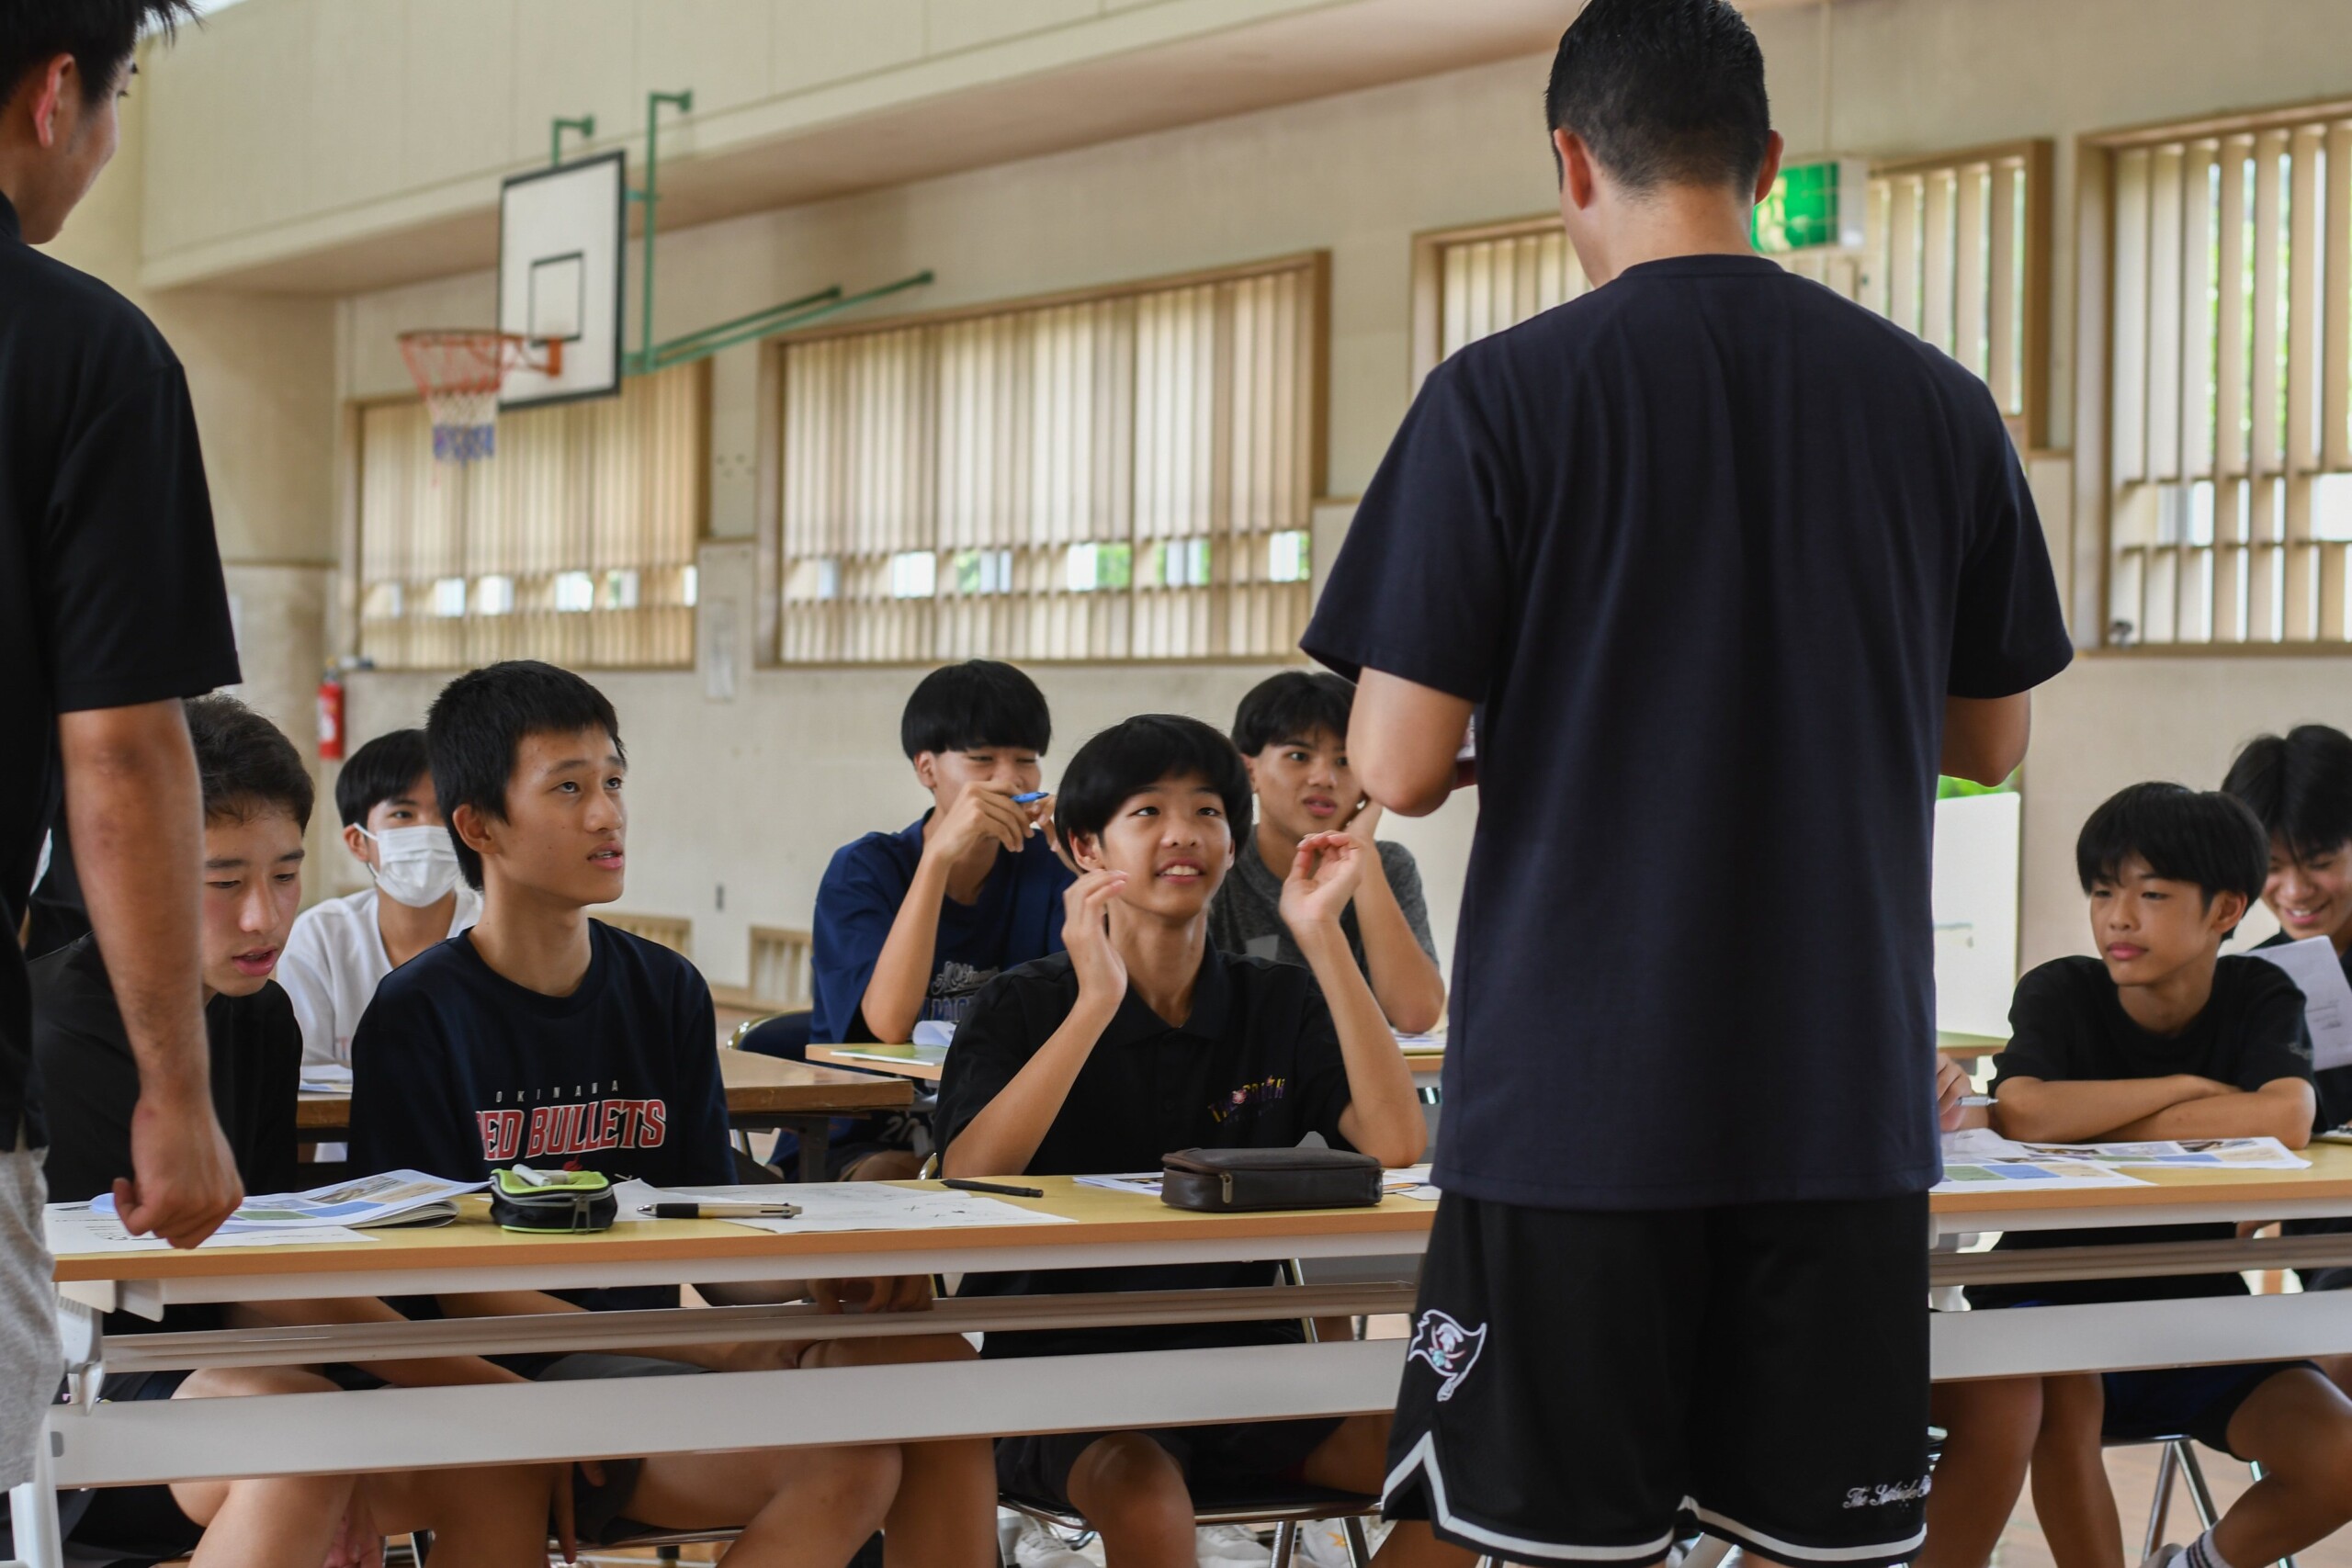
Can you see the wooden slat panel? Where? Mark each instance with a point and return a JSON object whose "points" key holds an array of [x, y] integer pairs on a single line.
{"points": [[2128, 415], [2335, 306], [2164, 412], [1936, 268], [2264, 341], [2303, 353], [2229, 329], [2197, 337], [1906, 195], [2005, 284], [1971, 292]]}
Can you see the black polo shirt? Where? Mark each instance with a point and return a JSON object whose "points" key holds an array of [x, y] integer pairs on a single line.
{"points": [[110, 588], [1255, 1066], [1708, 547]]}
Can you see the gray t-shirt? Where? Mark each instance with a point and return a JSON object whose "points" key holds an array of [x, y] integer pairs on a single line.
{"points": [[1247, 917]]}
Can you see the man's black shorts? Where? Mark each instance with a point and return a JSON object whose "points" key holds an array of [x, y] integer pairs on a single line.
{"points": [[1584, 1387]]}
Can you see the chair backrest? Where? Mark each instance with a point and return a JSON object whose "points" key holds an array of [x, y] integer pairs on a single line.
{"points": [[675, 932], [783, 1035], [780, 967]]}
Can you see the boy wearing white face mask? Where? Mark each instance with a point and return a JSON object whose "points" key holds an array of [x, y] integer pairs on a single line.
{"points": [[341, 948]]}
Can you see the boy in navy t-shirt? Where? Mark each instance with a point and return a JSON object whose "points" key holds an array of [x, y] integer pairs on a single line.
{"points": [[911, 924], [2158, 1037], [542, 1037]]}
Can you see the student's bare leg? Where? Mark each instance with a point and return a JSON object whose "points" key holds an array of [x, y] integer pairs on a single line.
{"points": [[1992, 1425], [797, 1507], [268, 1522], [2071, 1493], [2298, 1427], [1134, 1493], [1355, 1458], [495, 1517], [945, 1514]]}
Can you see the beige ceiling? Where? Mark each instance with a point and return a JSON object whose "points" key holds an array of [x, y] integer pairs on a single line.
{"points": [[1333, 49]]}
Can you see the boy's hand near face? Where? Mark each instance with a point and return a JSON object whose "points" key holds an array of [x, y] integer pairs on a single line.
{"points": [[1085, 934], [982, 812], [1322, 882]]}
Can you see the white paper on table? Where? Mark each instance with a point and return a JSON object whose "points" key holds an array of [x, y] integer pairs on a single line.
{"points": [[827, 1207], [1976, 1145], [74, 1229], [2030, 1174], [933, 1032], [1142, 1183], [392, 1198], [2311, 964], [325, 1077]]}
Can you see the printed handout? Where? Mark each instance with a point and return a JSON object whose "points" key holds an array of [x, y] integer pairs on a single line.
{"points": [[394, 1197], [2313, 964]]}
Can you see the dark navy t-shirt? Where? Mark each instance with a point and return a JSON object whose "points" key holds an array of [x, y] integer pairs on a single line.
{"points": [[1017, 918], [456, 1069], [1708, 547]]}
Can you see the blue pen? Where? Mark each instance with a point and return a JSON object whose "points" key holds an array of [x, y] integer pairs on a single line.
{"points": [[1031, 798]]}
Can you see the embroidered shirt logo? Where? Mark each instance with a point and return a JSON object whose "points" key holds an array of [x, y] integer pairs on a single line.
{"points": [[1883, 1493], [1449, 1349]]}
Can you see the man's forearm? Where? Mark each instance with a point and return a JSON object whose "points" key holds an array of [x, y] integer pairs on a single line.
{"points": [[1383, 1115], [2085, 1110], [1404, 978], [137, 818]]}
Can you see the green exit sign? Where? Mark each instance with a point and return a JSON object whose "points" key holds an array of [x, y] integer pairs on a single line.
{"points": [[1813, 207]]}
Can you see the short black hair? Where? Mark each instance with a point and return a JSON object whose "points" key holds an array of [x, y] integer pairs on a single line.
{"points": [[981, 702], [381, 770], [2299, 786], [2185, 835], [99, 34], [1291, 706], [480, 718], [1137, 753], [1664, 92], [244, 763]]}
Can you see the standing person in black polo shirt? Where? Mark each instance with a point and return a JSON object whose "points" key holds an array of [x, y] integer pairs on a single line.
{"points": [[1726, 567], [111, 610]]}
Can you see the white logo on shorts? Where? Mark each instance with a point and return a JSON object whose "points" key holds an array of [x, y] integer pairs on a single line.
{"points": [[1449, 1349], [1883, 1493]]}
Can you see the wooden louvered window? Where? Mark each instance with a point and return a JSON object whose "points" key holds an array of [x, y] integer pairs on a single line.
{"points": [[1957, 252], [1123, 474], [2228, 347], [575, 544]]}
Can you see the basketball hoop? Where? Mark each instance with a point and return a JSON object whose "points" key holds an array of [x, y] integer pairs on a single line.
{"points": [[459, 372]]}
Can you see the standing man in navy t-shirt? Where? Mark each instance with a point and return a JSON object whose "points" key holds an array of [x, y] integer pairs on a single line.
{"points": [[1729, 569]]}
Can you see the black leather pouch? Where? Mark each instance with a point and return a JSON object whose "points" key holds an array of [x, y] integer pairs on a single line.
{"points": [[1227, 1180]]}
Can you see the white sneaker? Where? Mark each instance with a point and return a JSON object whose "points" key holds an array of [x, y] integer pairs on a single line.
{"points": [[1216, 1544], [1032, 1545], [1324, 1543]]}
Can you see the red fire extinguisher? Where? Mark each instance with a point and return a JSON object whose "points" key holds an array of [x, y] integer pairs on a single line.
{"points": [[331, 717]]}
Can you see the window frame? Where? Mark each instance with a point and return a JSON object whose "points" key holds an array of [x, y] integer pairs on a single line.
{"points": [[2093, 549], [768, 549]]}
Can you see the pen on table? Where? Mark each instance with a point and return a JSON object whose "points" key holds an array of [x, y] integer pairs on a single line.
{"points": [[961, 1185], [718, 1210]]}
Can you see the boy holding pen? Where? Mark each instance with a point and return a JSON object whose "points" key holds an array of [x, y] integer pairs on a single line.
{"points": [[1140, 1038]]}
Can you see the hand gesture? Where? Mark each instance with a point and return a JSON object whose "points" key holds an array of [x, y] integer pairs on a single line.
{"points": [[1086, 933], [1952, 1086], [983, 812], [184, 1179], [1366, 822], [1323, 880]]}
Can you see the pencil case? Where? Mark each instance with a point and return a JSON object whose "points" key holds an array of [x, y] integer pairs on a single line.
{"points": [[551, 1201], [1228, 1180]]}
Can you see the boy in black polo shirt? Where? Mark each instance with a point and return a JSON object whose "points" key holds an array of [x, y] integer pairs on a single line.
{"points": [[542, 1037], [257, 799], [1070, 1065], [2158, 1037]]}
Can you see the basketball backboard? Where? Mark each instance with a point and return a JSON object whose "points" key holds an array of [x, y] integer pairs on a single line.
{"points": [[561, 238]]}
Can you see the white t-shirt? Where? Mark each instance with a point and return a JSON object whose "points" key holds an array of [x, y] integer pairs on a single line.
{"points": [[334, 961]]}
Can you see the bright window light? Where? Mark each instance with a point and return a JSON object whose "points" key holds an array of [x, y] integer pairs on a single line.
{"points": [[620, 591], [914, 574], [575, 593], [690, 586], [449, 597], [493, 595], [1289, 557]]}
